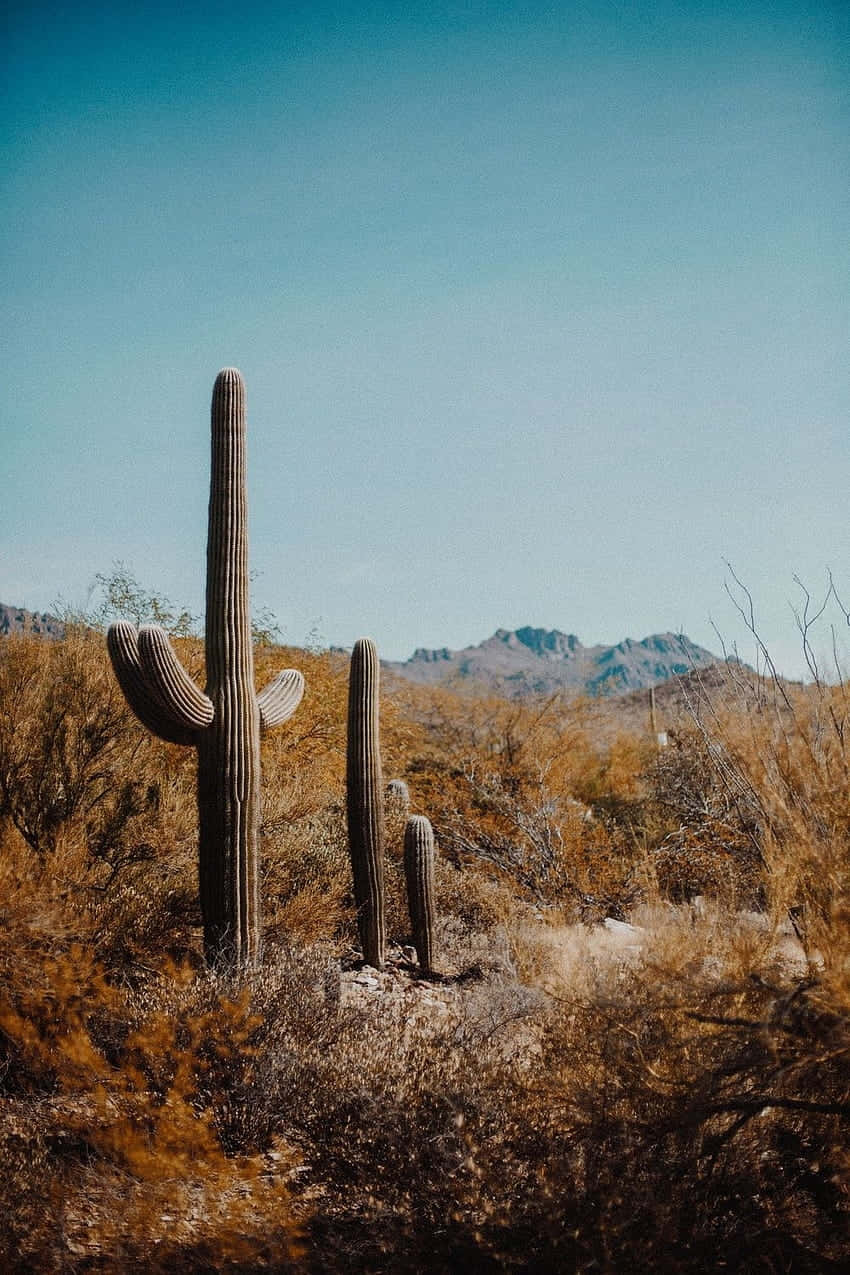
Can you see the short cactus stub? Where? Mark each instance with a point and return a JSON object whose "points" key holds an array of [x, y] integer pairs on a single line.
{"points": [[419, 856], [398, 798]]}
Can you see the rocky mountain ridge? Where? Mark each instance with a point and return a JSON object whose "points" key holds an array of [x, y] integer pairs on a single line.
{"points": [[529, 660], [513, 662], [38, 623]]}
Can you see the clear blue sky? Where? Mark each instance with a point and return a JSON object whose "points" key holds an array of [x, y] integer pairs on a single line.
{"points": [[542, 308]]}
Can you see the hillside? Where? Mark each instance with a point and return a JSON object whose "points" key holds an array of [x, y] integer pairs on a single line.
{"points": [[533, 661], [39, 624], [630, 1052]]}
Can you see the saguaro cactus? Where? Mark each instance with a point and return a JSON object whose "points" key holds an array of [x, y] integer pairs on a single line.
{"points": [[365, 799], [398, 797], [419, 875], [224, 723]]}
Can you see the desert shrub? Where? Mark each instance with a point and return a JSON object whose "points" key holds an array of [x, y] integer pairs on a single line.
{"points": [[306, 872], [529, 790], [670, 1119], [112, 1157], [65, 737], [688, 1128], [714, 845], [793, 759], [118, 595], [682, 1107], [757, 785], [105, 812]]}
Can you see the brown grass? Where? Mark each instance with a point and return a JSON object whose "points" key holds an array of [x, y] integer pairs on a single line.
{"points": [[679, 1102]]}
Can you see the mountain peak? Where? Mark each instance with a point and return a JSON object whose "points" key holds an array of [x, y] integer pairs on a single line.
{"points": [[545, 643], [531, 660]]}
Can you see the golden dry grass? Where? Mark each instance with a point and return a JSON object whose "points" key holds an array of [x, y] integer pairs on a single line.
{"points": [[678, 1103]]}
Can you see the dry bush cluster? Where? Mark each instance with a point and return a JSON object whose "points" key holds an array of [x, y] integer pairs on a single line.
{"points": [[680, 1105]]}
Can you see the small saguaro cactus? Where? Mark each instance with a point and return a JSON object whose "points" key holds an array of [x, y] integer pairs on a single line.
{"points": [[224, 723], [365, 800], [398, 797], [419, 875]]}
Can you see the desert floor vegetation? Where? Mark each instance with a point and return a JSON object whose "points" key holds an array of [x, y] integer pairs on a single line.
{"points": [[636, 1055]]}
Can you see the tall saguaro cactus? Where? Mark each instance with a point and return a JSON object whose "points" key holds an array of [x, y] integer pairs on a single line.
{"points": [[224, 723], [365, 799], [419, 876]]}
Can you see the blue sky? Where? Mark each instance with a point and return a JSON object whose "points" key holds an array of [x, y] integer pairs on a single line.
{"points": [[542, 309]]}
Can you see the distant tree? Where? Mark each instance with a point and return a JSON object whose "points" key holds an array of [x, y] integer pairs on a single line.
{"points": [[118, 595]]}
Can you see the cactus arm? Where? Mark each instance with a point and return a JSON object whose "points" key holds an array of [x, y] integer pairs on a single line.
{"points": [[123, 646], [279, 700], [169, 681]]}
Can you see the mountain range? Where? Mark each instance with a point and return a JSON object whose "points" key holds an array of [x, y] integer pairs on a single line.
{"points": [[525, 661], [39, 623], [513, 662]]}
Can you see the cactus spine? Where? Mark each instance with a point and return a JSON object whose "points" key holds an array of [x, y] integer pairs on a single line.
{"points": [[365, 800], [224, 723], [419, 875]]}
